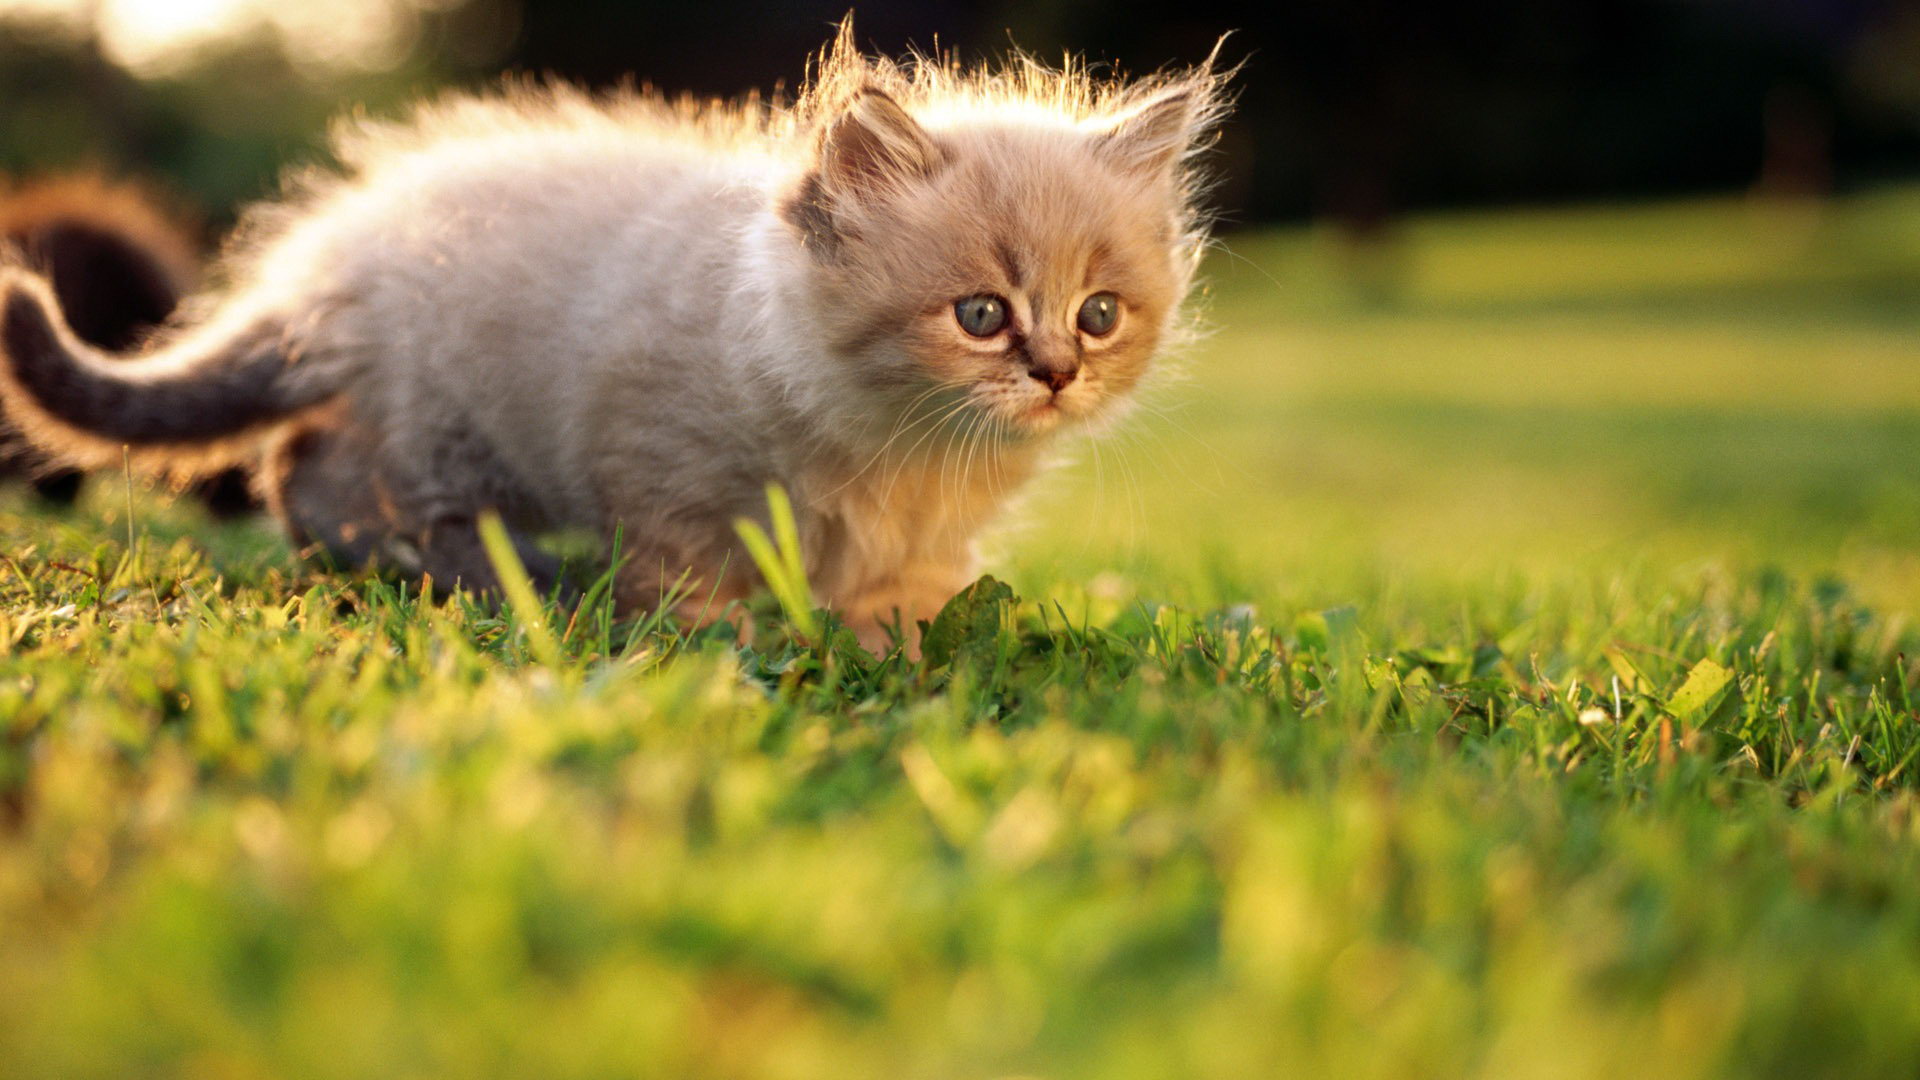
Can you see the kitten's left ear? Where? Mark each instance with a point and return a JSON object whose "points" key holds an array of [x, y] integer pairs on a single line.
{"points": [[1150, 139], [874, 145]]}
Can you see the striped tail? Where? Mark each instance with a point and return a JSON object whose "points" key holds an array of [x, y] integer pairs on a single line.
{"points": [[188, 406]]}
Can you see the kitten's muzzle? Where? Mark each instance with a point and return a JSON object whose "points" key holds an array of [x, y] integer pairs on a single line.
{"points": [[1055, 379]]}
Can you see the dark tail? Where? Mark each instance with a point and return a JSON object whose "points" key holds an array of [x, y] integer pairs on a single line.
{"points": [[118, 261], [187, 406]]}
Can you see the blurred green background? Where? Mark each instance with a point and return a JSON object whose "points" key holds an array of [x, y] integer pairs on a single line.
{"points": [[1676, 384], [1487, 653]]}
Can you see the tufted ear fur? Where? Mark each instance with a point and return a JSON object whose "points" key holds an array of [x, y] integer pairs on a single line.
{"points": [[873, 146], [1150, 139], [869, 149]]}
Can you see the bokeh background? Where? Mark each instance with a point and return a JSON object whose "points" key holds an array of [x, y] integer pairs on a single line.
{"points": [[1490, 656], [1504, 286], [1354, 111]]}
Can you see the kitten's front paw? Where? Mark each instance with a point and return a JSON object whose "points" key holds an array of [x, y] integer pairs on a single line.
{"points": [[876, 635], [888, 620]]}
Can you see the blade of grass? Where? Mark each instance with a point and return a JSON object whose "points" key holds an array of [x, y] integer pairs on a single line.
{"points": [[780, 562], [518, 587]]}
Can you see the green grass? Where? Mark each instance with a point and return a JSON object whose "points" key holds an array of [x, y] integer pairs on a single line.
{"points": [[1507, 679]]}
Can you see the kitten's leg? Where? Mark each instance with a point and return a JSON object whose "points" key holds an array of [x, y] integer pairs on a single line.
{"points": [[323, 487], [227, 494], [330, 493], [700, 589], [452, 552], [58, 486], [62, 488]]}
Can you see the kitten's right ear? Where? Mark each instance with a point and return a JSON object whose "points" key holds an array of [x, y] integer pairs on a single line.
{"points": [[1151, 139], [873, 147]]}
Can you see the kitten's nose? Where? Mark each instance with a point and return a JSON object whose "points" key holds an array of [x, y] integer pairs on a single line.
{"points": [[1057, 379]]}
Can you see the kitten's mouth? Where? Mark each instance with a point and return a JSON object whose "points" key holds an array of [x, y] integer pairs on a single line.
{"points": [[1022, 415], [1041, 416]]}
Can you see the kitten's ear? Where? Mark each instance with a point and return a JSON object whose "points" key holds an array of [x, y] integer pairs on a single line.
{"points": [[874, 146], [1150, 139]]}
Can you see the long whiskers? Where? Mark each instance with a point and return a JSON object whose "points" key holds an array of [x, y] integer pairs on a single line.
{"points": [[901, 463], [907, 423], [951, 459]]}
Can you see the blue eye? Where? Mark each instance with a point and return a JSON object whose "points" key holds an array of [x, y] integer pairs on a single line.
{"points": [[981, 316], [1099, 313]]}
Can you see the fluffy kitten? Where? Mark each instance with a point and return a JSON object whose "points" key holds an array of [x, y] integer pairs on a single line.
{"points": [[633, 313]]}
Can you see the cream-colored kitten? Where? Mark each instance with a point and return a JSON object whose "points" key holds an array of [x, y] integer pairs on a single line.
{"points": [[633, 314]]}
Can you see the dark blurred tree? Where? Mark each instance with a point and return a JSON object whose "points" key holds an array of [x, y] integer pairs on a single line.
{"points": [[1350, 109], [219, 130], [1354, 108]]}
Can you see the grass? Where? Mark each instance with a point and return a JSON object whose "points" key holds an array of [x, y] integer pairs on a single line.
{"points": [[1509, 678]]}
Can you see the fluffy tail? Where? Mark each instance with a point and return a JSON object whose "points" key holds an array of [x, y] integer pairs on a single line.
{"points": [[194, 405], [118, 260]]}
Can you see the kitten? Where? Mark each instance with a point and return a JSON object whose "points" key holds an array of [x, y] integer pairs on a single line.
{"points": [[632, 314]]}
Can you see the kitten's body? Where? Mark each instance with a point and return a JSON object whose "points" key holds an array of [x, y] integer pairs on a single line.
{"points": [[634, 315]]}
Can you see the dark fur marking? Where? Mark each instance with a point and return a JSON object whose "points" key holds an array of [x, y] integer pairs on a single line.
{"points": [[1009, 263], [809, 211], [1097, 260], [60, 488]]}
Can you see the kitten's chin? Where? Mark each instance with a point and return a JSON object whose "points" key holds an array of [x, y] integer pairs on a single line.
{"points": [[1042, 419], [1032, 421], [1050, 418]]}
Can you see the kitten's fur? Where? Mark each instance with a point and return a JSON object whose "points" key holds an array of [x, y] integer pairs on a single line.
{"points": [[633, 314]]}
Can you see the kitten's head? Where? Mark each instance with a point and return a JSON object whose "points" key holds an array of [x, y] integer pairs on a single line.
{"points": [[1016, 244]]}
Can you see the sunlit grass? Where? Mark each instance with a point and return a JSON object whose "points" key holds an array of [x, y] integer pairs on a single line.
{"points": [[1506, 675]]}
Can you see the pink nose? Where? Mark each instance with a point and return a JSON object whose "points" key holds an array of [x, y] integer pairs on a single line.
{"points": [[1055, 379]]}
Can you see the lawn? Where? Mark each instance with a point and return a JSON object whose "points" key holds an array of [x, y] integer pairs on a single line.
{"points": [[1488, 659]]}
